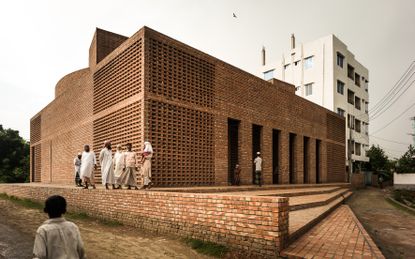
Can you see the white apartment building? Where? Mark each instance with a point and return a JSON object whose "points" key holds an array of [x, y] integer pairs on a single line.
{"points": [[325, 72]]}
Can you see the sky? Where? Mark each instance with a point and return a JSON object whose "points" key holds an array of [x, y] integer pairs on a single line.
{"points": [[41, 41]]}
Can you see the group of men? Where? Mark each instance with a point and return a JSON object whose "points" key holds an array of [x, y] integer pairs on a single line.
{"points": [[117, 170]]}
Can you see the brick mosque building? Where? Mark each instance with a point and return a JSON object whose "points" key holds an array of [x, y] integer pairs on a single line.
{"points": [[201, 115]]}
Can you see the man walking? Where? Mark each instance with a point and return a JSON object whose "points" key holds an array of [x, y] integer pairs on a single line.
{"points": [[118, 162], [56, 237], [88, 164], [107, 168], [258, 169], [77, 164], [130, 163]]}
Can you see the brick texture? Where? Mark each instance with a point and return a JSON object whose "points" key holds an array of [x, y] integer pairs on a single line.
{"points": [[152, 87], [256, 225]]}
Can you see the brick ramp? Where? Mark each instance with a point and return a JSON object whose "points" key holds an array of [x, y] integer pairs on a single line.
{"points": [[340, 235]]}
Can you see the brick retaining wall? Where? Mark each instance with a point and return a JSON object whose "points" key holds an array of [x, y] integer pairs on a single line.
{"points": [[257, 225]]}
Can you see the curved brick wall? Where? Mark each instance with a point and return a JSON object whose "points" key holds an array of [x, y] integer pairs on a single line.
{"points": [[71, 81]]}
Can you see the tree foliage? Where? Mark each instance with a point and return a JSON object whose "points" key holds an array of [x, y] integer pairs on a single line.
{"points": [[14, 157], [378, 160], [406, 164]]}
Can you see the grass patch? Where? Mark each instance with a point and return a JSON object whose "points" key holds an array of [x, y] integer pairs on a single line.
{"points": [[27, 203], [78, 216], [406, 197], [399, 207], [110, 223], [207, 248]]}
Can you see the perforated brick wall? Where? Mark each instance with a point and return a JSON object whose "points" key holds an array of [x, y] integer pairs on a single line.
{"points": [[119, 79], [35, 129], [122, 126], [152, 87], [179, 75], [183, 145]]}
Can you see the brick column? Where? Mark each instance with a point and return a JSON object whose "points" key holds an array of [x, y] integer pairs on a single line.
{"points": [[267, 155], [245, 152], [221, 151], [312, 161], [299, 159], [284, 157]]}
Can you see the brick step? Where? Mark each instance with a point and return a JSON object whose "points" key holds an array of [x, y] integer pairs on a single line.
{"points": [[287, 192], [314, 200], [300, 221], [339, 235], [243, 188]]}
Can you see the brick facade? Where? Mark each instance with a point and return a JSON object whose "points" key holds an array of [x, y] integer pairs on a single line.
{"points": [[152, 87], [255, 225]]}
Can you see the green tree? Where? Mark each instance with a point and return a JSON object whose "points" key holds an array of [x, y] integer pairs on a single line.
{"points": [[406, 164], [378, 160], [14, 157]]}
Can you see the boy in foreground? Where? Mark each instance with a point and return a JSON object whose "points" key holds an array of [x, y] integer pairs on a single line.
{"points": [[57, 238]]}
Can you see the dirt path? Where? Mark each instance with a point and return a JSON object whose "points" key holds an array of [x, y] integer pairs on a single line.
{"points": [[392, 229], [18, 226]]}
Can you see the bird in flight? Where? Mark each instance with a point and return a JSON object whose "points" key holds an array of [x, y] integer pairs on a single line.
{"points": [[234, 15]]}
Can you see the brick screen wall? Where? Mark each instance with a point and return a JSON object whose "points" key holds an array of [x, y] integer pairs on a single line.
{"points": [[258, 226], [152, 87]]}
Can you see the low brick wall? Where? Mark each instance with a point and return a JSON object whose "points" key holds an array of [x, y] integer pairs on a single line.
{"points": [[358, 180], [257, 225]]}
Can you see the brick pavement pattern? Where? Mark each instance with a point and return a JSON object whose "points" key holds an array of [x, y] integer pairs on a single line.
{"points": [[340, 235]]}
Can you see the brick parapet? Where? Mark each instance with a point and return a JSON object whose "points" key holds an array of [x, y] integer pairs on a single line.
{"points": [[256, 225]]}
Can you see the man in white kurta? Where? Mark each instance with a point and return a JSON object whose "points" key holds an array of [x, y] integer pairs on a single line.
{"points": [[88, 164], [118, 165], [107, 169]]}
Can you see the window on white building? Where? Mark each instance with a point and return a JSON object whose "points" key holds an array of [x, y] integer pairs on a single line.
{"points": [[358, 125], [340, 112], [357, 149], [269, 74], [350, 121], [350, 71], [340, 87], [357, 79], [350, 97], [286, 66], [308, 62], [308, 89], [340, 59], [357, 103]]}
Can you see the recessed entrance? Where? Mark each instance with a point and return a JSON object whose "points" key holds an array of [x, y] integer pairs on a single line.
{"points": [[293, 138], [275, 156], [233, 138], [306, 157], [256, 145]]}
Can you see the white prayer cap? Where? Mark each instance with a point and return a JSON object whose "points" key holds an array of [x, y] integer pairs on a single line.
{"points": [[119, 146], [258, 153], [147, 147], [79, 154]]}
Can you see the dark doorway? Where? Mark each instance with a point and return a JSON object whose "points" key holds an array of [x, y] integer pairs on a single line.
{"points": [[292, 157], [256, 145], [33, 165], [275, 156], [306, 158], [318, 144], [233, 138]]}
